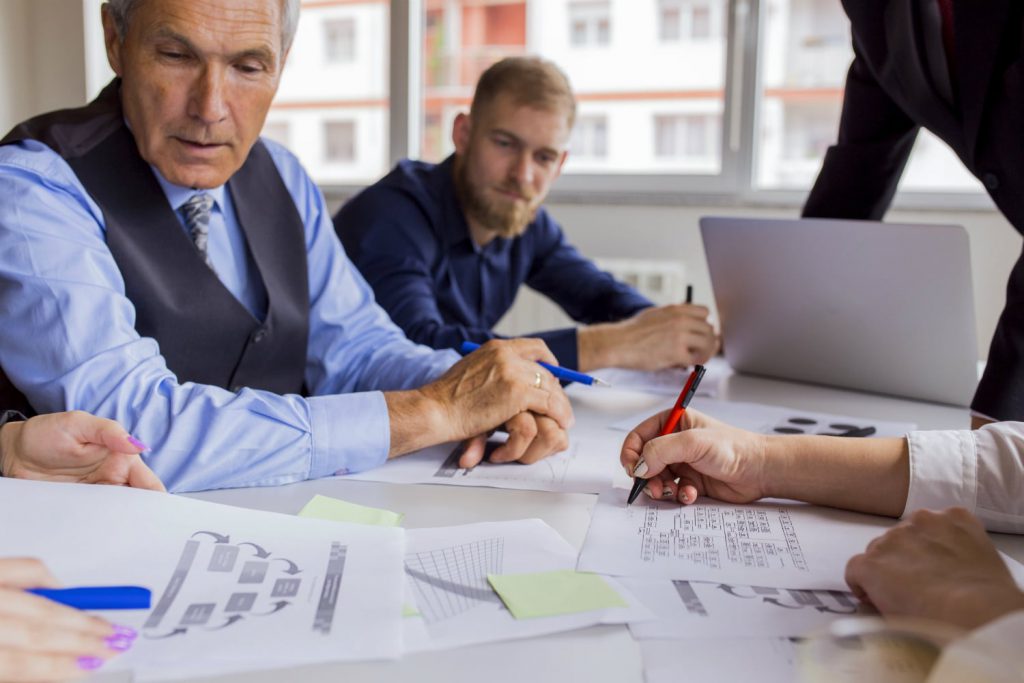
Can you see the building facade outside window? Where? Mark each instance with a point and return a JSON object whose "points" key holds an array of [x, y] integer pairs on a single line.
{"points": [[590, 137], [590, 23], [340, 141], [339, 40]]}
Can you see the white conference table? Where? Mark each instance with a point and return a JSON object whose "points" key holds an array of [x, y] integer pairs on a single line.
{"points": [[605, 653]]}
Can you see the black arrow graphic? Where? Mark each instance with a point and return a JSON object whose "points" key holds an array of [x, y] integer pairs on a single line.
{"points": [[260, 552], [729, 589], [220, 538], [175, 632], [779, 603], [292, 567], [825, 608], [233, 619], [278, 606]]}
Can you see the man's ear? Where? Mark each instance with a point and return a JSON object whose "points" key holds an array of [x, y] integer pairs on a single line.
{"points": [[462, 131], [111, 39]]}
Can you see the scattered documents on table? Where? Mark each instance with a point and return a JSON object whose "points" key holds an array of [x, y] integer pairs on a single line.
{"points": [[335, 510], [762, 544], [766, 419], [233, 589], [548, 594], [448, 569], [585, 467], [697, 609], [666, 382]]}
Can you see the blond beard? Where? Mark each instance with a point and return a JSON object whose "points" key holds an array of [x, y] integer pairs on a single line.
{"points": [[505, 219]]}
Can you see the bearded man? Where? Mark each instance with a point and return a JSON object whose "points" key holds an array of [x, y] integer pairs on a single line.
{"points": [[447, 246]]}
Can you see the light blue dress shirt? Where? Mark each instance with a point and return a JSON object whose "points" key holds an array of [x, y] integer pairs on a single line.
{"points": [[68, 341]]}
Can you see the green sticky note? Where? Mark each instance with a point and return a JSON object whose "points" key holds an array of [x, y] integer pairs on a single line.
{"points": [[549, 594], [334, 510], [409, 611]]}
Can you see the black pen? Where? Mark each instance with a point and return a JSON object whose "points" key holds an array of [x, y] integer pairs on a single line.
{"points": [[689, 389], [689, 294]]}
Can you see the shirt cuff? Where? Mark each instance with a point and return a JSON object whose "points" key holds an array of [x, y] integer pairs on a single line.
{"points": [[991, 653], [943, 470], [563, 344], [351, 433]]}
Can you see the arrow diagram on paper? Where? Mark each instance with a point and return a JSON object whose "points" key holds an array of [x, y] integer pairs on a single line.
{"points": [[220, 538], [233, 619], [260, 552], [292, 567], [175, 632], [278, 606]]}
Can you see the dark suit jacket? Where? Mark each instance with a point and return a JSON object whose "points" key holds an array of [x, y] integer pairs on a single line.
{"points": [[892, 91]]}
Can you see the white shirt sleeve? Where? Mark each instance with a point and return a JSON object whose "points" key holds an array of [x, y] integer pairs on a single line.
{"points": [[981, 470], [990, 654]]}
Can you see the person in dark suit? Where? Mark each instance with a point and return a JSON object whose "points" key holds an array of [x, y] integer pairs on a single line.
{"points": [[956, 68]]}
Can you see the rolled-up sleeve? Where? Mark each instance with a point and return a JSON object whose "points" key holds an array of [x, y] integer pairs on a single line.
{"points": [[981, 470]]}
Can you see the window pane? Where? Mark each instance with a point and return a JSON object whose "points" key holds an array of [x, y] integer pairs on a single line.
{"points": [[805, 59], [626, 68], [332, 106]]}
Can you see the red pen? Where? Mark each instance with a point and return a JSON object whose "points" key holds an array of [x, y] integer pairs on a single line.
{"points": [[689, 389]]}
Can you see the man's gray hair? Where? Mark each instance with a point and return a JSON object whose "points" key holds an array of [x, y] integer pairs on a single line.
{"points": [[121, 10]]}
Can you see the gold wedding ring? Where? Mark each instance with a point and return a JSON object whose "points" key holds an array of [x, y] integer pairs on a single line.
{"points": [[538, 379]]}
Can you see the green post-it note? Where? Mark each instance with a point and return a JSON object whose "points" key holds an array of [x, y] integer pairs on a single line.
{"points": [[409, 611], [334, 510], [549, 594]]}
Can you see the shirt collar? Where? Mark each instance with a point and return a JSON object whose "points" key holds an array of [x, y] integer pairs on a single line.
{"points": [[178, 195]]}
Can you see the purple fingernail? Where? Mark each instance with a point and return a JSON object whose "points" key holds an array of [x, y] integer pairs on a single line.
{"points": [[119, 643], [125, 632], [138, 444], [89, 663]]}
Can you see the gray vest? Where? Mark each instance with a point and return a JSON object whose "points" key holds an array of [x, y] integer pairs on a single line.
{"points": [[205, 334]]}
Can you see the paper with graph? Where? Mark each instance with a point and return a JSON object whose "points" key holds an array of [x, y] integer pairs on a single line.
{"points": [[667, 382], [761, 544], [585, 467], [233, 589], [767, 419], [698, 609], [447, 571]]}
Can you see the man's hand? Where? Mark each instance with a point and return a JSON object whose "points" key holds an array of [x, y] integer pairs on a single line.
{"points": [[74, 447], [936, 565], [41, 640], [707, 457], [495, 385], [678, 335]]}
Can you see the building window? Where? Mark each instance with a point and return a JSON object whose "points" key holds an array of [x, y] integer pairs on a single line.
{"points": [[590, 137], [278, 131], [340, 40], [688, 19], [686, 135], [590, 23], [340, 141]]}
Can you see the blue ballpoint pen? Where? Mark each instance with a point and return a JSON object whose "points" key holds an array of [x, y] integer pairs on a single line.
{"points": [[98, 597], [561, 373]]}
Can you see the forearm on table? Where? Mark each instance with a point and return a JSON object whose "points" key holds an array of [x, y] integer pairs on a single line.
{"points": [[416, 421], [864, 475], [599, 346]]}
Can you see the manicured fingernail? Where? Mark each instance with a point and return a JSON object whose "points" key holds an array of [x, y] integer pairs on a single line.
{"points": [[649, 492], [640, 469], [666, 492], [125, 632], [119, 643], [138, 444], [629, 472], [89, 663]]}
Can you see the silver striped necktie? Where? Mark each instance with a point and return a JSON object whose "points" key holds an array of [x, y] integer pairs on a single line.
{"points": [[197, 220]]}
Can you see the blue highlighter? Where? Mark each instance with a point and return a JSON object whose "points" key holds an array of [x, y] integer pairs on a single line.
{"points": [[98, 597]]}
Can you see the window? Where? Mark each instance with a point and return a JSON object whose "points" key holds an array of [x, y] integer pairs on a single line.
{"points": [[590, 137], [278, 131], [340, 40], [590, 23], [689, 19], [340, 141], [686, 136]]}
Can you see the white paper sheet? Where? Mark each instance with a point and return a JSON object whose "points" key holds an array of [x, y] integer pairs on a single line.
{"points": [[696, 609], [233, 589], [766, 419], [729, 660], [762, 544], [668, 382], [448, 567], [587, 466]]}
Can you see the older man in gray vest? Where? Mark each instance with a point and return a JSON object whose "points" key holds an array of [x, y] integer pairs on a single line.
{"points": [[164, 267]]}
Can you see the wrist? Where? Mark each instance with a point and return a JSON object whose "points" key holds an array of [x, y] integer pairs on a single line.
{"points": [[417, 420], [597, 346], [8, 438]]}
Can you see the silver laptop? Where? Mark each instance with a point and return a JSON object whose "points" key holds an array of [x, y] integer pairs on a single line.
{"points": [[880, 307]]}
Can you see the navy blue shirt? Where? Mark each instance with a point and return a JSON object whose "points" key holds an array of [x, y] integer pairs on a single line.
{"points": [[409, 237]]}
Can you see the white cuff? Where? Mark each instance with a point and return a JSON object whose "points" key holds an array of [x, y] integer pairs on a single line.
{"points": [[990, 654], [943, 470]]}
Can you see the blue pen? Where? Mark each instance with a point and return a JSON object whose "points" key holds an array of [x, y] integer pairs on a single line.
{"points": [[561, 373], [98, 597]]}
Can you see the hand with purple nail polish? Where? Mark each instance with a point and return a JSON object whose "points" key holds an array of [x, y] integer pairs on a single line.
{"points": [[41, 640], [74, 447]]}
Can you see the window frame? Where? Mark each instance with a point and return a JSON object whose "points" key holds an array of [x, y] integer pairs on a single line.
{"points": [[734, 186]]}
